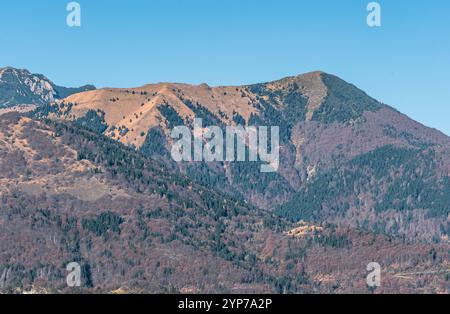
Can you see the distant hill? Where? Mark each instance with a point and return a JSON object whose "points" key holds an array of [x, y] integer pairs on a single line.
{"points": [[20, 87]]}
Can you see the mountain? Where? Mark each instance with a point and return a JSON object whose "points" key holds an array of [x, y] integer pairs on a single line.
{"points": [[345, 158], [20, 87], [70, 194], [90, 179]]}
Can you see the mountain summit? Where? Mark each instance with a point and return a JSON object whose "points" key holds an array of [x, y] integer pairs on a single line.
{"points": [[314, 96], [20, 87]]}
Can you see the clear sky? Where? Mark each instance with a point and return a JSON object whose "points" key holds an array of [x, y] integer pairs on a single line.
{"points": [[404, 63]]}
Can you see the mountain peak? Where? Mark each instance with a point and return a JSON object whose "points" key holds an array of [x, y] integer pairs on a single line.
{"points": [[21, 87], [9, 69], [316, 73]]}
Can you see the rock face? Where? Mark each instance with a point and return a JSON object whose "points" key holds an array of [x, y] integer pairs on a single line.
{"points": [[344, 156], [20, 87]]}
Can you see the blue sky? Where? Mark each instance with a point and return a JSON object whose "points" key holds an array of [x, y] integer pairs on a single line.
{"points": [[404, 63]]}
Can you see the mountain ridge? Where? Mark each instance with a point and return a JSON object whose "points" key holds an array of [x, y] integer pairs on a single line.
{"points": [[326, 125], [239, 97]]}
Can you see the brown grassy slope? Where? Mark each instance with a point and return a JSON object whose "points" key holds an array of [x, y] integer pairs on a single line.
{"points": [[315, 143], [135, 108]]}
